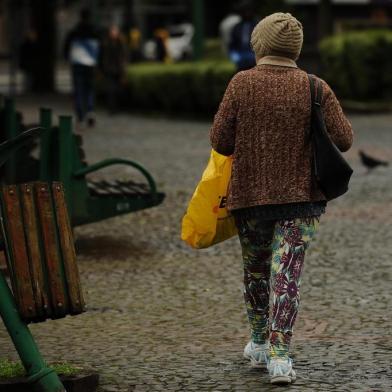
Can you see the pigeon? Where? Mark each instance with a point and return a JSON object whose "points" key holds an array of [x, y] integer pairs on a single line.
{"points": [[370, 162]]}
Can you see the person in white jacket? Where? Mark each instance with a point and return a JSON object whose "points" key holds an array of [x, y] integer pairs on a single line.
{"points": [[82, 51], [226, 27]]}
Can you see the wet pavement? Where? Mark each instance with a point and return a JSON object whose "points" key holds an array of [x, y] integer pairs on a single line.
{"points": [[164, 317]]}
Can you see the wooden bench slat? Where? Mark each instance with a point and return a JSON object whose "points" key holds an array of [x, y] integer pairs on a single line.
{"points": [[95, 188], [111, 187], [117, 188], [17, 252], [77, 304], [133, 188], [53, 261], [41, 299]]}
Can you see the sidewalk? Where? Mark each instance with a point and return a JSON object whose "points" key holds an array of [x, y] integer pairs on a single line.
{"points": [[163, 317]]}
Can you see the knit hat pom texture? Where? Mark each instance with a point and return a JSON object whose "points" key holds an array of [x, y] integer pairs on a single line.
{"points": [[279, 34]]}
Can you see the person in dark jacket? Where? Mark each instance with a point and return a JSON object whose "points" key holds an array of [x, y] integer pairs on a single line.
{"points": [[263, 121], [113, 61], [30, 59], [240, 51], [82, 50]]}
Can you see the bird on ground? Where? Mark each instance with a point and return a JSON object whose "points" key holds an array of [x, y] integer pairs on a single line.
{"points": [[371, 162]]}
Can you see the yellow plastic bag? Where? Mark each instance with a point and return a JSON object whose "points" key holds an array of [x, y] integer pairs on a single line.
{"points": [[207, 220]]}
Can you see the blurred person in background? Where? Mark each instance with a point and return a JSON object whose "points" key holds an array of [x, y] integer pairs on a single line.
{"points": [[114, 58], [81, 49], [240, 51], [135, 45], [226, 27], [161, 37], [263, 121], [29, 59]]}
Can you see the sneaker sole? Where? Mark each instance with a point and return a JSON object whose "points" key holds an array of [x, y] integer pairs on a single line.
{"points": [[254, 363], [282, 380]]}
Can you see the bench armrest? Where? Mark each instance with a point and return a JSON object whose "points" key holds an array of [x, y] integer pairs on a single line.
{"points": [[117, 161], [8, 147]]}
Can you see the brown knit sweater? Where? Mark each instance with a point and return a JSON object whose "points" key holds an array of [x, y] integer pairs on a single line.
{"points": [[264, 121]]}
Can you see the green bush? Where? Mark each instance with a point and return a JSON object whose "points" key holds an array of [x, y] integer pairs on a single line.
{"points": [[188, 88], [213, 50], [358, 64]]}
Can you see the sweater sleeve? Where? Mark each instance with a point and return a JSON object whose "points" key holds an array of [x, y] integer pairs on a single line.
{"points": [[222, 133], [336, 122]]}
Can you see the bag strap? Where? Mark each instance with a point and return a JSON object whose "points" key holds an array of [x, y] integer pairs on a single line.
{"points": [[315, 105], [316, 94], [312, 90], [316, 90]]}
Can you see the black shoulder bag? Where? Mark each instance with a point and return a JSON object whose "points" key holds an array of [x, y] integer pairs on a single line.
{"points": [[331, 170]]}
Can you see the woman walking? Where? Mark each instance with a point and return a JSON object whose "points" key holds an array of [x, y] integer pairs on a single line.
{"points": [[113, 63], [264, 122]]}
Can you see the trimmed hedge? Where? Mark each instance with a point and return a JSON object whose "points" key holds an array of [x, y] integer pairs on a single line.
{"points": [[188, 88], [358, 64]]}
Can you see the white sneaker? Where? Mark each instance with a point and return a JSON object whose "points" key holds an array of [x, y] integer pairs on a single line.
{"points": [[257, 353], [281, 371]]}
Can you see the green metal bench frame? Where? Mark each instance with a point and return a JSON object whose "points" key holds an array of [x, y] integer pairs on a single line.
{"points": [[84, 207], [61, 160]]}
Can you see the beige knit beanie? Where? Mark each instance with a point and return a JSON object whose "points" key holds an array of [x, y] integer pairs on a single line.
{"points": [[278, 34]]}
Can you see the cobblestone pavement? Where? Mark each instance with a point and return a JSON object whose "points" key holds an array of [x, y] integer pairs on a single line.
{"points": [[163, 317]]}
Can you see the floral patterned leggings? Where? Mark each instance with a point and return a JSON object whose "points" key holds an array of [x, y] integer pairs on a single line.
{"points": [[273, 254]]}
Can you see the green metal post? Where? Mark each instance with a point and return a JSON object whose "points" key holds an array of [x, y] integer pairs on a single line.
{"points": [[66, 158], [198, 23], [45, 150], [11, 131], [39, 374]]}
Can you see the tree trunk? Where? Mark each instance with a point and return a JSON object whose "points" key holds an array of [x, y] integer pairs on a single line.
{"points": [[43, 17], [198, 23], [325, 18]]}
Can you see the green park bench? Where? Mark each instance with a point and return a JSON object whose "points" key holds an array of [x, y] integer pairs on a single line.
{"points": [[62, 158], [36, 235]]}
